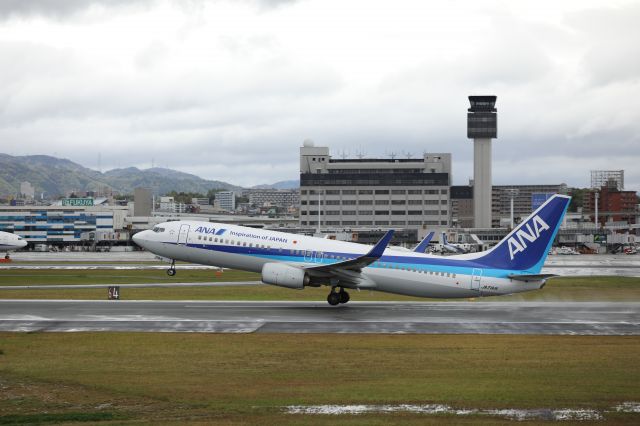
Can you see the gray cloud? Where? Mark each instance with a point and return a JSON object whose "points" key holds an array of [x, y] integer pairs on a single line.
{"points": [[60, 9], [57, 9], [240, 105], [613, 52]]}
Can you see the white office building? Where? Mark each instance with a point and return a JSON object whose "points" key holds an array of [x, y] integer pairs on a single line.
{"points": [[373, 192], [226, 200]]}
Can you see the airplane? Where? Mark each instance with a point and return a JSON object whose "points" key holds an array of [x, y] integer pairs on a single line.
{"points": [[10, 241], [297, 261], [452, 247]]}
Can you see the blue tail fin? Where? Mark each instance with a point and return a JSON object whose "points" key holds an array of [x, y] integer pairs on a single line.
{"points": [[420, 248], [526, 247]]}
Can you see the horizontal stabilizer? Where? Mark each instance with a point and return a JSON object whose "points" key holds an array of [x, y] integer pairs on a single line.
{"points": [[531, 277]]}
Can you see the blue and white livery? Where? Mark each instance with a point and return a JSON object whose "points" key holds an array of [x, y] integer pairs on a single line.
{"points": [[296, 261]]}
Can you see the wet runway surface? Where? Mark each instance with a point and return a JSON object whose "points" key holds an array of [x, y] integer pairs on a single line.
{"points": [[563, 318]]}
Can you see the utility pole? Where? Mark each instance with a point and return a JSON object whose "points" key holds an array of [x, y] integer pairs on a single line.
{"points": [[595, 196], [319, 211], [512, 194]]}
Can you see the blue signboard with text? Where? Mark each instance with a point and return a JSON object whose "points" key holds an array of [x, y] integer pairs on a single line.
{"points": [[538, 198]]}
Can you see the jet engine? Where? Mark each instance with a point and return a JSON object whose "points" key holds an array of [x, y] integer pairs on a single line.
{"points": [[284, 276]]}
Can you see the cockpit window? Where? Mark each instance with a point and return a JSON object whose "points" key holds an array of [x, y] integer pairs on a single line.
{"points": [[157, 229]]}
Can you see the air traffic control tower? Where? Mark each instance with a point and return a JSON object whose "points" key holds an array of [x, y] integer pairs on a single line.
{"points": [[482, 126]]}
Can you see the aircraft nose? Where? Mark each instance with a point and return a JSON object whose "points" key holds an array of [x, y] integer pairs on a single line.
{"points": [[23, 243], [139, 238]]}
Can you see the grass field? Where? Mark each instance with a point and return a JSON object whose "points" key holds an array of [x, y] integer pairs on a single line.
{"points": [[149, 378], [559, 289], [248, 379]]}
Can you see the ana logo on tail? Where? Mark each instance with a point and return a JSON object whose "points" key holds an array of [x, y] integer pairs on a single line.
{"points": [[518, 242]]}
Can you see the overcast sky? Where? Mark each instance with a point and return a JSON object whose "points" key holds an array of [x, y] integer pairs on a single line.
{"points": [[229, 90]]}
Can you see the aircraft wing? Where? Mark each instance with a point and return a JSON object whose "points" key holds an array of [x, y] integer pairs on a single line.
{"points": [[354, 265]]}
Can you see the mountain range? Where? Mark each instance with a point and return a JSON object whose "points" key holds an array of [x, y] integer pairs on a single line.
{"points": [[56, 177]]}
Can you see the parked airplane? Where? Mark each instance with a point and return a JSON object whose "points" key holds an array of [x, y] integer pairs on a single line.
{"points": [[10, 241], [453, 247], [296, 261]]}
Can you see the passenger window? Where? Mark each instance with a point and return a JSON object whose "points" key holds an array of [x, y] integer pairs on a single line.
{"points": [[215, 240]]}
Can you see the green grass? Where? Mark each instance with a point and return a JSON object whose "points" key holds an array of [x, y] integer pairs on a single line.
{"points": [[558, 289], [44, 418], [230, 378]]}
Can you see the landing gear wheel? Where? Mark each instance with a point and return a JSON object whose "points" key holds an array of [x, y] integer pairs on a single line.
{"points": [[6, 256], [172, 270], [344, 296], [333, 298]]}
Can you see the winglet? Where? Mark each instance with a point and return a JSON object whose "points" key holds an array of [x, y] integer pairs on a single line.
{"points": [[420, 248], [379, 248]]}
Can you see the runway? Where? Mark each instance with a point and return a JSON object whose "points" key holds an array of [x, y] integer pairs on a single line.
{"points": [[562, 318]]}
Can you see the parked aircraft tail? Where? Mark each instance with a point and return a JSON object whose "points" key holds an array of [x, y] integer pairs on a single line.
{"points": [[420, 248]]}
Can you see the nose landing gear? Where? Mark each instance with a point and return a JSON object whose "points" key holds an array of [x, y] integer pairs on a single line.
{"points": [[172, 270], [336, 297]]}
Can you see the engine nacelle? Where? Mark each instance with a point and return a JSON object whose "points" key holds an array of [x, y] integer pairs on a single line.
{"points": [[284, 276]]}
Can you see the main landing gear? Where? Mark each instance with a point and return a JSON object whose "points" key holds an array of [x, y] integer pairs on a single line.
{"points": [[172, 270], [336, 297]]}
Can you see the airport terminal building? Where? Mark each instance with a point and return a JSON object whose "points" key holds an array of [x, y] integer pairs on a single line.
{"points": [[373, 192], [55, 224]]}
